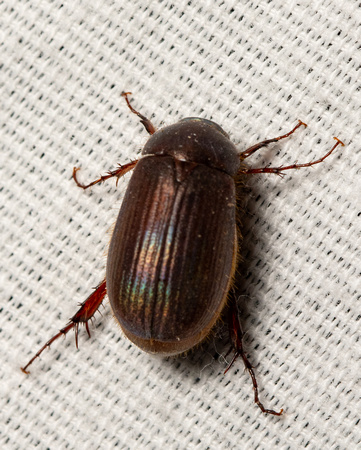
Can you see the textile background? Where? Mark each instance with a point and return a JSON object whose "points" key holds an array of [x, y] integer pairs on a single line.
{"points": [[254, 68]]}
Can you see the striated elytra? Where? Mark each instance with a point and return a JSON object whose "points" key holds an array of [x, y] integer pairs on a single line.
{"points": [[173, 252]]}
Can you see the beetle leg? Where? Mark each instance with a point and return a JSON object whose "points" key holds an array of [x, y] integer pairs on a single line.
{"points": [[236, 335], [279, 170], [83, 315], [122, 170], [256, 147], [119, 172], [146, 122]]}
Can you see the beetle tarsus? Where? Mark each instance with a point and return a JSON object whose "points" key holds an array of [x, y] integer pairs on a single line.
{"points": [[83, 315], [144, 121], [279, 170], [236, 336], [264, 143]]}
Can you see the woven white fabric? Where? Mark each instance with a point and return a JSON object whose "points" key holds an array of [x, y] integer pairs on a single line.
{"points": [[254, 68]]}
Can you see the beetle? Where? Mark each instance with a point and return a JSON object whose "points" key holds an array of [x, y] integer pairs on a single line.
{"points": [[173, 252]]}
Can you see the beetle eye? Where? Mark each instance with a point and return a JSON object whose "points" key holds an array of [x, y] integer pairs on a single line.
{"points": [[206, 122]]}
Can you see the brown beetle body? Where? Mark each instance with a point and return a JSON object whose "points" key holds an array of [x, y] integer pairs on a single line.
{"points": [[172, 254], [173, 251]]}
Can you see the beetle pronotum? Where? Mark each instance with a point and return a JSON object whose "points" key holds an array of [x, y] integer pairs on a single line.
{"points": [[173, 252]]}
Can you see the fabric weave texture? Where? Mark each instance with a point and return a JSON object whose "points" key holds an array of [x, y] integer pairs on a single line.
{"points": [[254, 68]]}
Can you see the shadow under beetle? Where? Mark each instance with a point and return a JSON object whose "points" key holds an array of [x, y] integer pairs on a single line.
{"points": [[173, 252]]}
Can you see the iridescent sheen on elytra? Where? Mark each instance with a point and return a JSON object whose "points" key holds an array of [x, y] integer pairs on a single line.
{"points": [[172, 254]]}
